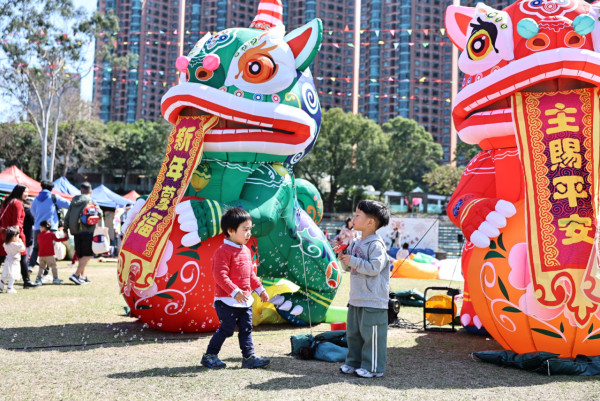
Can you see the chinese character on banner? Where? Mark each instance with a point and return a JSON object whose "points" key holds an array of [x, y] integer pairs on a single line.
{"points": [[569, 187], [561, 120], [565, 153], [147, 223], [576, 229], [175, 168], [184, 138], [166, 195]]}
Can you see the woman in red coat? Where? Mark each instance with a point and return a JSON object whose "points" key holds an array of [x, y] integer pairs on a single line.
{"points": [[12, 213]]}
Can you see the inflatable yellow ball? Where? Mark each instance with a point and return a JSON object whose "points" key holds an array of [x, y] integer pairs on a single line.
{"points": [[201, 176]]}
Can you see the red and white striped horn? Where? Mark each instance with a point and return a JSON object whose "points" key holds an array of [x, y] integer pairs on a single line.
{"points": [[270, 14]]}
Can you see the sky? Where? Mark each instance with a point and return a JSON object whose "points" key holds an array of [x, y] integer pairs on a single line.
{"points": [[88, 81]]}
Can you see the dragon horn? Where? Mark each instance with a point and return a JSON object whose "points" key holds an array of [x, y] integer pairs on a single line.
{"points": [[270, 14]]}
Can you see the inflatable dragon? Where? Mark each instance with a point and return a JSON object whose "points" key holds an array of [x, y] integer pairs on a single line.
{"points": [[528, 202], [245, 112]]}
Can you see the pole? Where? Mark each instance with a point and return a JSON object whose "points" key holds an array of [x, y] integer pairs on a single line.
{"points": [[181, 30], [355, 73], [453, 93]]}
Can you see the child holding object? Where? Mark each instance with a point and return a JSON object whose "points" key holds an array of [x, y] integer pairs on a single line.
{"points": [[46, 239], [13, 247], [235, 279], [367, 323]]}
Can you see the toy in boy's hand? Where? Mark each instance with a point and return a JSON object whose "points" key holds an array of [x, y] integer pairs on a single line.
{"points": [[341, 248]]}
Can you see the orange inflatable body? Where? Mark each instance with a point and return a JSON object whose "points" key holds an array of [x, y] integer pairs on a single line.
{"points": [[408, 268]]}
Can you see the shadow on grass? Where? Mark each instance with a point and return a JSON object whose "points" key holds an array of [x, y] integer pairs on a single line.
{"points": [[85, 336], [184, 371], [437, 361]]}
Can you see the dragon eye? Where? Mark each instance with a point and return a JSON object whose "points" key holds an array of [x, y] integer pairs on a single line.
{"points": [[479, 45], [259, 68]]}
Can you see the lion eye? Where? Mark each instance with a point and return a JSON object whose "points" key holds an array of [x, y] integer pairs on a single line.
{"points": [[259, 68], [479, 45]]}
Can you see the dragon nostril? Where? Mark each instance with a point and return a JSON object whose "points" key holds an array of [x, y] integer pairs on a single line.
{"points": [[539, 42]]}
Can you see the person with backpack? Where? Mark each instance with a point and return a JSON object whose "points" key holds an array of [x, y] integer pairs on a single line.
{"points": [[45, 207], [81, 219]]}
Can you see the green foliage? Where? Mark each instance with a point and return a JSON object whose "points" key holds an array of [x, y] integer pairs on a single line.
{"points": [[412, 153], [136, 147], [44, 47], [82, 144], [351, 151], [20, 147], [465, 152], [444, 179]]}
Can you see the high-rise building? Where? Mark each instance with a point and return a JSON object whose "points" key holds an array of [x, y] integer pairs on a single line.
{"points": [[405, 56]]}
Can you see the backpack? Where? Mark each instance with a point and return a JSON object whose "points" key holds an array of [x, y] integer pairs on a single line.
{"points": [[89, 215]]}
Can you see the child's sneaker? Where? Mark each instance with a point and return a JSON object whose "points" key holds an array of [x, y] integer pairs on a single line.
{"points": [[212, 361], [46, 278], [84, 280], [253, 362], [365, 373], [38, 281], [57, 281], [11, 291], [347, 369], [74, 279]]}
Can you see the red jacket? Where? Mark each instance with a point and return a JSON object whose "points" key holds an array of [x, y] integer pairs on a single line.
{"points": [[46, 243], [232, 268], [13, 216]]}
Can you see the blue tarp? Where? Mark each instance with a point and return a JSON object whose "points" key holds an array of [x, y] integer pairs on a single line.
{"points": [[107, 198], [63, 185], [6, 186]]}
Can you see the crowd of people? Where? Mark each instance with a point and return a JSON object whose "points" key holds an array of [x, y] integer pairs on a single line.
{"points": [[28, 234]]}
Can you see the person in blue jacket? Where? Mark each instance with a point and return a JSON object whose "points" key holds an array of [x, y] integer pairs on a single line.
{"points": [[45, 206]]}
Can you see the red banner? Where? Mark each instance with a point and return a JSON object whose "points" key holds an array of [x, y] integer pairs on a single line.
{"points": [[558, 139]]}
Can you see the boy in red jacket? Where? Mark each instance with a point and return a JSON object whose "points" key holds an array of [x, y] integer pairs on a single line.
{"points": [[234, 282], [46, 239]]}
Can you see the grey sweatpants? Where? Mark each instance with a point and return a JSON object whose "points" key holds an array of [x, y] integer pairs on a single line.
{"points": [[366, 333]]}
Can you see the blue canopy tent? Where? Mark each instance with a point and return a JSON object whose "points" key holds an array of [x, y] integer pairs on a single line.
{"points": [[6, 186], [63, 185], [107, 198]]}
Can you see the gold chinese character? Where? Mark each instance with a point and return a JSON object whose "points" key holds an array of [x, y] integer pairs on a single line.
{"points": [[565, 153], [175, 168], [168, 192], [163, 204], [569, 187], [147, 223], [561, 120], [576, 229], [183, 138]]}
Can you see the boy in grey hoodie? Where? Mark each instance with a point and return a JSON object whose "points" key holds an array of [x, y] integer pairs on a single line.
{"points": [[368, 263]]}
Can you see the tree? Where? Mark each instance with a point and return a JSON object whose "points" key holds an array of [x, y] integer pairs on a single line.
{"points": [[444, 179], [44, 45], [412, 153], [138, 146], [350, 151], [20, 146], [465, 152], [83, 144]]}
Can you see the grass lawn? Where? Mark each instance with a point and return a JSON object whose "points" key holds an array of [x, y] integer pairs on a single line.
{"points": [[68, 342]]}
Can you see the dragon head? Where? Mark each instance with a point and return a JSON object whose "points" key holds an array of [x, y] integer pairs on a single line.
{"points": [[530, 46], [257, 81]]}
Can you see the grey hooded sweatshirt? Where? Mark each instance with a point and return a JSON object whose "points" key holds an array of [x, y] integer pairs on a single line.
{"points": [[370, 273]]}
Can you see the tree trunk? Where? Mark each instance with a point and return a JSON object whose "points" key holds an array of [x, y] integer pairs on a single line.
{"points": [[331, 198], [54, 139]]}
